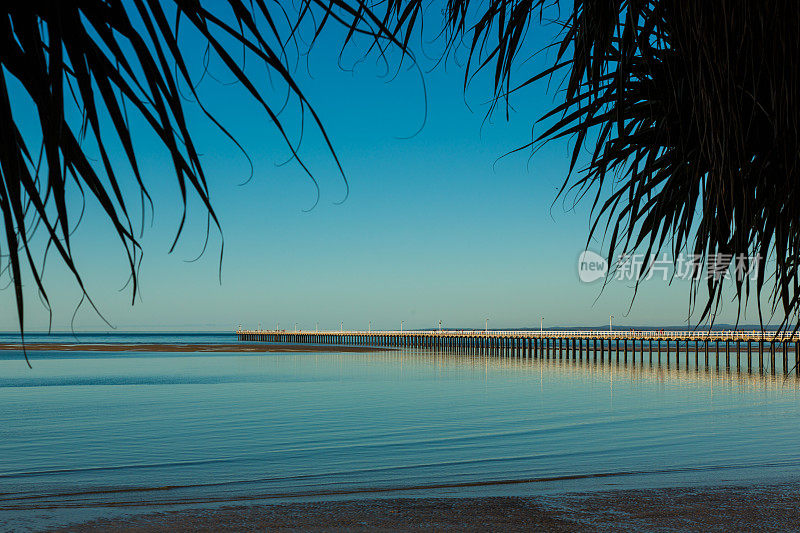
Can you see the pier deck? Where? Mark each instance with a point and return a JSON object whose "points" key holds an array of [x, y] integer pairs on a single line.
{"points": [[759, 347]]}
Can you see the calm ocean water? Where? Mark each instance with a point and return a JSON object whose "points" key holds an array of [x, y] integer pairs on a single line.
{"points": [[91, 434]]}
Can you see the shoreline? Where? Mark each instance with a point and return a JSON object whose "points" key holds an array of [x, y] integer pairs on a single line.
{"points": [[163, 347], [735, 508]]}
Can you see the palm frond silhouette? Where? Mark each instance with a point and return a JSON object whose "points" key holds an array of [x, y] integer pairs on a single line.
{"points": [[92, 57]]}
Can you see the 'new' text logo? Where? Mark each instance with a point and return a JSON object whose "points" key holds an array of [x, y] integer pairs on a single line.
{"points": [[591, 266]]}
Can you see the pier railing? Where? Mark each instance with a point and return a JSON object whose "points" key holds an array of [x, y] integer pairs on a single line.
{"points": [[754, 335]]}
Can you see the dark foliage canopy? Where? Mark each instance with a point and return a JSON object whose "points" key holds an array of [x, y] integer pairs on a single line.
{"points": [[682, 115]]}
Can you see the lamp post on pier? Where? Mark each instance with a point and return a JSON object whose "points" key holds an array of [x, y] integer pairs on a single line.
{"points": [[487, 324], [541, 325], [401, 326], [610, 322]]}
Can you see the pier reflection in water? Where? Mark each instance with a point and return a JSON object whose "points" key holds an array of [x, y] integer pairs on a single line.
{"points": [[631, 365]]}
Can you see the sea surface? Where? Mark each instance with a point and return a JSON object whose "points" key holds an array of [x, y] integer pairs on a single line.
{"points": [[89, 434]]}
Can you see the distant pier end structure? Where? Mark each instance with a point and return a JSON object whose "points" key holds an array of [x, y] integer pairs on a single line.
{"points": [[762, 348]]}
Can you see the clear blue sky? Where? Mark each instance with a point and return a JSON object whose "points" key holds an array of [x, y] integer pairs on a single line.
{"points": [[435, 227]]}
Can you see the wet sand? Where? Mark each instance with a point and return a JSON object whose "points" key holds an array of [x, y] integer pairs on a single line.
{"points": [[135, 347], [748, 508]]}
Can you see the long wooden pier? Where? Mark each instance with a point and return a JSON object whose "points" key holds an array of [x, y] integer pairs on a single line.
{"points": [[759, 347]]}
